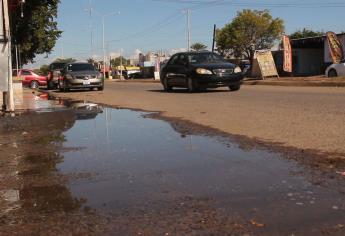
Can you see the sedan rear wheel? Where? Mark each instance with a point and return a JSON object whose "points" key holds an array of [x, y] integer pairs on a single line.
{"points": [[34, 85], [332, 73], [234, 87]]}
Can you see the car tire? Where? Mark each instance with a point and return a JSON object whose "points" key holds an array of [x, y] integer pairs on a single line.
{"points": [[34, 84], [100, 88], [64, 87], [235, 87], [332, 73], [167, 87], [191, 86], [50, 84]]}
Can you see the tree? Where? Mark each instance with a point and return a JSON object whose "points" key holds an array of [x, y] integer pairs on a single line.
{"points": [[93, 62], [44, 69], [117, 61], [250, 30], [36, 32], [65, 60], [198, 47], [305, 33]]}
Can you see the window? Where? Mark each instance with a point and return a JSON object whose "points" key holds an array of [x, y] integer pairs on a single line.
{"points": [[183, 60], [80, 67], [173, 60], [198, 58], [25, 72]]}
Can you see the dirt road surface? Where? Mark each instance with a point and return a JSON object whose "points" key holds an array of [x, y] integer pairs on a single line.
{"points": [[301, 117]]}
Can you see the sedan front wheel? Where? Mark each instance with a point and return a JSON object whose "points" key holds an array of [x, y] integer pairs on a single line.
{"points": [[34, 85], [167, 87], [234, 87]]}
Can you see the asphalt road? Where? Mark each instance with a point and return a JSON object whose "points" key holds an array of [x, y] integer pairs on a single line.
{"points": [[301, 117]]}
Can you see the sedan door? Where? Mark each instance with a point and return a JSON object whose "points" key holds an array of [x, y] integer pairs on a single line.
{"points": [[182, 70], [171, 70]]}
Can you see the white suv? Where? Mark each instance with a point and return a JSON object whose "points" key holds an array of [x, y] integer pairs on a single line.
{"points": [[335, 70]]}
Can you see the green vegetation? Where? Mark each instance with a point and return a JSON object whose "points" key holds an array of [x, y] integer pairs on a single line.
{"points": [[36, 32], [250, 30], [198, 47], [306, 33], [65, 60], [117, 61]]}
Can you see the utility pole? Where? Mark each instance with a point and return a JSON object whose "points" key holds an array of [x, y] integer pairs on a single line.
{"points": [[188, 28], [17, 62], [90, 26], [214, 37], [103, 46], [62, 51], [120, 63]]}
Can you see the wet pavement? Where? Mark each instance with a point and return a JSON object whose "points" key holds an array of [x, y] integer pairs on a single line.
{"points": [[105, 171]]}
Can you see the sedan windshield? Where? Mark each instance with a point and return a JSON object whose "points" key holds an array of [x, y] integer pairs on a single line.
{"points": [[80, 67], [201, 58]]}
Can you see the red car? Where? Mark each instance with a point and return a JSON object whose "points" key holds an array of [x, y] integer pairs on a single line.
{"points": [[31, 79]]}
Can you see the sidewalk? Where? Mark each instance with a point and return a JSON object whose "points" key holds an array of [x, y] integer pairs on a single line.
{"points": [[26, 99], [282, 81]]}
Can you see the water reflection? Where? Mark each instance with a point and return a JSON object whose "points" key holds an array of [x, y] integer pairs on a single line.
{"points": [[145, 164], [34, 183]]}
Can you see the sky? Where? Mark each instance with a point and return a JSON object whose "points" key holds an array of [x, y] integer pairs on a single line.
{"points": [[133, 26]]}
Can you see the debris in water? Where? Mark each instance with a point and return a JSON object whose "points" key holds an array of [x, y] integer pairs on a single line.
{"points": [[253, 222], [341, 173]]}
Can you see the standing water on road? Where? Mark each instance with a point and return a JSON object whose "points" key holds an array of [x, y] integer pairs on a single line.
{"points": [[103, 171], [153, 180]]}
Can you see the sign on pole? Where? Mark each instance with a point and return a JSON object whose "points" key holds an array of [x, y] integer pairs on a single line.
{"points": [[287, 65], [335, 47]]}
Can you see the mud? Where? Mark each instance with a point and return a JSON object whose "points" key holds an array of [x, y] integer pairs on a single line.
{"points": [[101, 171]]}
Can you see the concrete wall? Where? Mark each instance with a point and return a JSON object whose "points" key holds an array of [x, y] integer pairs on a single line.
{"points": [[308, 62], [4, 50]]}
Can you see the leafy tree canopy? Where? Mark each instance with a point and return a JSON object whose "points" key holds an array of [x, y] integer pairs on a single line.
{"points": [[44, 70], [305, 33], [250, 30], [36, 32], [65, 60], [198, 47], [117, 61]]}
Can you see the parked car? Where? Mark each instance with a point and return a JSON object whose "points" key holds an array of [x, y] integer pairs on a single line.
{"points": [[54, 74], [80, 75], [200, 70], [335, 70], [31, 79]]}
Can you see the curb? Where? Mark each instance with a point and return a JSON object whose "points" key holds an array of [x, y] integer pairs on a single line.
{"points": [[261, 82], [298, 83]]}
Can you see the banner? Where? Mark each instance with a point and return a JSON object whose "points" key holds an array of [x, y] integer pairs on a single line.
{"points": [[335, 47], [287, 64]]}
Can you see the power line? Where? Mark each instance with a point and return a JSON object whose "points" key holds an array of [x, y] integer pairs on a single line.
{"points": [[213, 3]]}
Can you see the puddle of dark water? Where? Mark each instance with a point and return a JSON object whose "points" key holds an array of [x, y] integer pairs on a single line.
{"points": [[142, 166], [150, 179]]}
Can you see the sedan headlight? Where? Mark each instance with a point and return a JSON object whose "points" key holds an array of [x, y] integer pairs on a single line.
{"points": [[237, 70], [202, 71]]}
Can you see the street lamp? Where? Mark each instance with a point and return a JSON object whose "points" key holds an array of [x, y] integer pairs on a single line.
{"points": [[103, 30]]}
